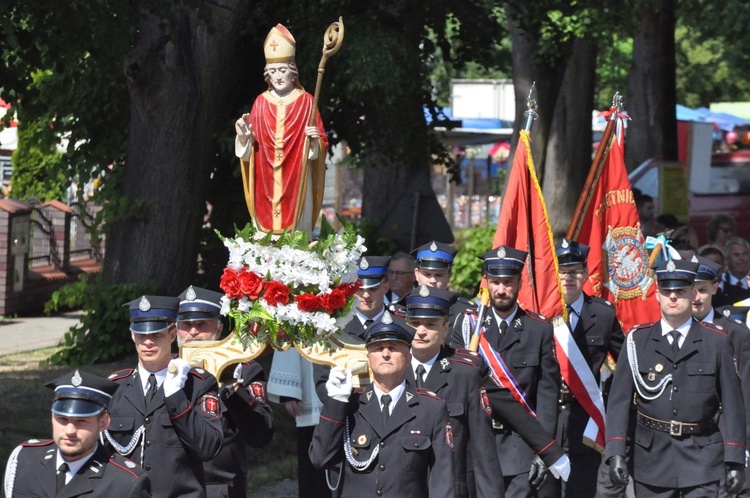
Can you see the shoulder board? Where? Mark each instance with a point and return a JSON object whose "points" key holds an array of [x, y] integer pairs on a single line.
{"points": [[198, 372], [465, 361], [466, 352], [601, 300], [713, 327], [37, 442], [122, 374], [122, 463], [646, 325], [426, 392], [538, 317]]}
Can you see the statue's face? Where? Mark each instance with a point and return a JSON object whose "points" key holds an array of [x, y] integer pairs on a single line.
{"points": [[280, 77]]}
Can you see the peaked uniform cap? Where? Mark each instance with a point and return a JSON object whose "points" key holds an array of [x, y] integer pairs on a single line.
{"points": [[280, 45], [434, 255], [708, 271], [429, 302], [152, 314], [371, 270], [197, 303], [503, 261], [676, 274], [81, 394], [390, 327], [570, 252]]}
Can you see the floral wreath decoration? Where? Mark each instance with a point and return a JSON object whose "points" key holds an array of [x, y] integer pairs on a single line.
{"points": [[286, 289]]}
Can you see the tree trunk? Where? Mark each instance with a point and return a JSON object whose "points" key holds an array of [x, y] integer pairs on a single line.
{"points": [[652, 93], [181, 76], [569, 149]]}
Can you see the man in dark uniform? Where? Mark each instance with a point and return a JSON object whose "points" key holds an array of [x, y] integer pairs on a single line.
{"points": [[73, 463], [706, 283], [524, 340], [166, 415], [434, 266], [457, 381], [678, 372], [246, 418], [734, 283], [392, 439], [597, 333]]}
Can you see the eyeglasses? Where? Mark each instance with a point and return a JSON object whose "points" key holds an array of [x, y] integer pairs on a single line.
{"points": [[570, 273], [727, 229], [394, 273]]}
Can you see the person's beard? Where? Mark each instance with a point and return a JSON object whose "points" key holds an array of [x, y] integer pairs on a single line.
{"points": [[506, 305]]}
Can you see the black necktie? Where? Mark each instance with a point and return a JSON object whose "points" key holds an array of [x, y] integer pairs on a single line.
{"points": [[503, 326], [386, 412], [61, 475], [151, 387], [369, 322], [420, 375], [571, 312], [675, 343]]}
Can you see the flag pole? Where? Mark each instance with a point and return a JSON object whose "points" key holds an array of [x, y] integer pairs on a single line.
{"points": [[484, 295], [597, 165]]}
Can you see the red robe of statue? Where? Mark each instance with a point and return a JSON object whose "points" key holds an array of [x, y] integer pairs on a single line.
{"points": [[277, 173]]}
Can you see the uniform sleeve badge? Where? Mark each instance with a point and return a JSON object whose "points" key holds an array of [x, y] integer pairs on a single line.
{"points": [[210, 405], [258, 391], [486, 406], [449, 435]]}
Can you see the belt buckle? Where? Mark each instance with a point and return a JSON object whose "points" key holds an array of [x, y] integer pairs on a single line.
{"points": [[497, 425], [675, 428]]}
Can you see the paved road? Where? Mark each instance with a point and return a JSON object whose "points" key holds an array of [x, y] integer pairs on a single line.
{"points": [[30, 333]]}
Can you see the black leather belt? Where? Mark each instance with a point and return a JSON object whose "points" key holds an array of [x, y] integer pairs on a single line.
{"points": [[674, 428], [566, 397]]}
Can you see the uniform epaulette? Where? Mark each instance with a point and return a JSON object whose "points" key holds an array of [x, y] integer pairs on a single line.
{"points": [[198, 372], [426, 392], [38, 442], [121, 374], [713, 327], [641, 326], [466, 361], [538, 317], [601, 300], [125, 464]]}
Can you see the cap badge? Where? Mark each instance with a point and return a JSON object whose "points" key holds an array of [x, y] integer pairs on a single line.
{"points": [[445, 363], [362, 439], [501, 253], [424, 291], [671, 266], [387, 318], [694, 259], [659, 368], [433, 246], [565, 244], [190, 295], [144, 305], [727, 312], [364, 264], [76, 380]]}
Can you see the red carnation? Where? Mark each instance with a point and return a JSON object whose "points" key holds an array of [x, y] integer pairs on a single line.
{"points": [[335, 300], [276, 293], [308, 302], [229, 284], [251, 284]]}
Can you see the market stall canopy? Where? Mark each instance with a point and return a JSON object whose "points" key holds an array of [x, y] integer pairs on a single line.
{"points": [[468, 131]]}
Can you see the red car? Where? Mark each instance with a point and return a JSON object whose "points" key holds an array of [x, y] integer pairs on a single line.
{"points": [[728, 191]]}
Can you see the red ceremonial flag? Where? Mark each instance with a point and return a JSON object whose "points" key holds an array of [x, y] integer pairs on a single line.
{"points": [[618, 259], [523, 224]]}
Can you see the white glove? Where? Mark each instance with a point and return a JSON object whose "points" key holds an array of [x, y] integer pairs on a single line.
{"points": [[561, 468], [237, 375], [177, 373], [339, 384]]}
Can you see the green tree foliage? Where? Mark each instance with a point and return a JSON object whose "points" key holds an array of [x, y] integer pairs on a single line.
{"points": [[45, 176], [467, 267]]}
